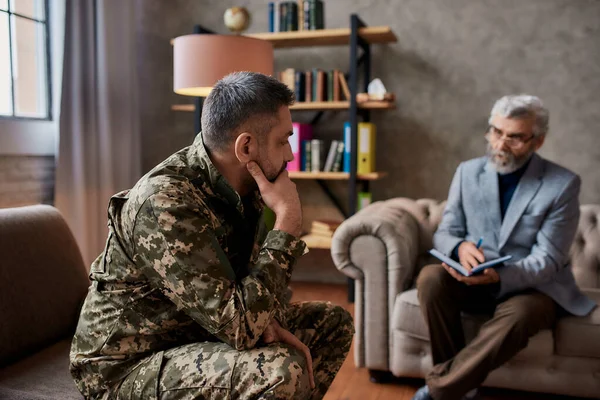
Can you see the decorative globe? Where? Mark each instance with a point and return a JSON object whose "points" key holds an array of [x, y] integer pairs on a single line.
{"points": [[236, 19]]}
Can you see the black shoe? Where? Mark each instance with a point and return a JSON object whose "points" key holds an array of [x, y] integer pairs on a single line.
{"points": [[422, 394]]}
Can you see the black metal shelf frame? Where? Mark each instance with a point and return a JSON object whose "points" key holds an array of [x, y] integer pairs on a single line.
{"points": [[356, 62]]}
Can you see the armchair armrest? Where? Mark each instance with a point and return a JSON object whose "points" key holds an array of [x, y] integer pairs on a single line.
{"points": [[378, 248]]}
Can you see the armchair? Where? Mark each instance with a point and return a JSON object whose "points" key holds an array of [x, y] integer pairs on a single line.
{"points": [[384, 246]]}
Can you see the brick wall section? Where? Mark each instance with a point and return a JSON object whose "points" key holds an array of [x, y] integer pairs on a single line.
{"points": [[26, 180]]}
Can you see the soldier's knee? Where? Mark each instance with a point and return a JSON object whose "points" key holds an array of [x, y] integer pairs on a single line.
{"points": [[342, 321], [341, 318], [292, 376]]}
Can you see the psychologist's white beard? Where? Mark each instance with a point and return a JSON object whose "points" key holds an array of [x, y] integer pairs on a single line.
{"points": [[508, 163]]}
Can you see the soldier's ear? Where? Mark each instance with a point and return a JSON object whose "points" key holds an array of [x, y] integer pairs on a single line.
{"points": [[246, 148]]}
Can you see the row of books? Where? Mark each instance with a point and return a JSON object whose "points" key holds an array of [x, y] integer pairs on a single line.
{"points": [[301, 15], [310, 154], [316, 84]]}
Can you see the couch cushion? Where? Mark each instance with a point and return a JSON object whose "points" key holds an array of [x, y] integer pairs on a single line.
{"points": [[409, 319], [579, 336], [42, 280], [44, 375], [407, 315]]}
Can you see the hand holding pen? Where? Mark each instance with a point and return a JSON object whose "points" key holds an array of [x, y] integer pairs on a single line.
{"points": [[470, 254]]}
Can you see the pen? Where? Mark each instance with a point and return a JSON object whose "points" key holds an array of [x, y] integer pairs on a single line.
{"points": [[479, 242]]}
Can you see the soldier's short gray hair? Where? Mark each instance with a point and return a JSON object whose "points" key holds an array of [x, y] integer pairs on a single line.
{"points": [[242, 101], [523, 106]]}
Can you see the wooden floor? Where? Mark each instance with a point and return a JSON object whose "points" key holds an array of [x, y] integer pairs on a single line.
{"points": [[353, 383]]}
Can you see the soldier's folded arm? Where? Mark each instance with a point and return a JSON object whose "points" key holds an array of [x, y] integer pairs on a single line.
{"points": [[178, 249]]}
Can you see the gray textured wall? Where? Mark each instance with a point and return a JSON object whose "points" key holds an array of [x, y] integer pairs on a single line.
{"points": [[452, 60]]}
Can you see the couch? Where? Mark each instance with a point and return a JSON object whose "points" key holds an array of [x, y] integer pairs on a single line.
{"points": [[383, 247], [43, 283]]}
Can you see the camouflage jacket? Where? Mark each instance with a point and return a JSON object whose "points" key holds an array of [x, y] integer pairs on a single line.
{"points": [[186, 260]]}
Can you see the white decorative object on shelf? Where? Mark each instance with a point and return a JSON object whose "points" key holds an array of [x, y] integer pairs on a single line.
{"points": [[376, 89]]}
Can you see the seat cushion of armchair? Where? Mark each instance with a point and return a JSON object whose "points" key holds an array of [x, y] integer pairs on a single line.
{"points": [[579, 336], [409, 319], [573, 336]]}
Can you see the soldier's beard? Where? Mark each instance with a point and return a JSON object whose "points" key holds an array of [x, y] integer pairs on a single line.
{"points": [[506, 162], [279, 173], [269, 171]]}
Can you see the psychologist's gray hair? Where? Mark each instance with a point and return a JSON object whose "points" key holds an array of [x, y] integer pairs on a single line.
{"points": [[523, 106]]}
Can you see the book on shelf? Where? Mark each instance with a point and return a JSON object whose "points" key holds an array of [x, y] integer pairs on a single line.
{"points": [[366, 147], [328, 167], [321, 233], [335, 86], [308, 81], [347, 146], [339, 155], [316, 14], [333, 162], [324, 227], [315, 151], [306, 156], [302, 133], [286, 16], [319, 85], [344, 85]]}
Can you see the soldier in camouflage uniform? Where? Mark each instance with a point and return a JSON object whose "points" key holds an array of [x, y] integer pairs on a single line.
{"points": [[189, 298]]}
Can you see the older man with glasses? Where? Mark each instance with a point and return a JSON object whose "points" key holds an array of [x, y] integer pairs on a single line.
{"points": [[513, 202]]}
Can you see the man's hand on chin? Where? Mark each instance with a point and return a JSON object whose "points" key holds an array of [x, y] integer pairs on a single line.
{"points": [[275, 333], [488, 276]]}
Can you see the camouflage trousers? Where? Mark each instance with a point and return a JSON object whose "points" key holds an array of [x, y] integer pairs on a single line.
{"points": [[210, 370]]}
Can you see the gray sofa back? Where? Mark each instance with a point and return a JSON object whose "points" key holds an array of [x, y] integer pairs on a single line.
{"points": [[42, 280]]}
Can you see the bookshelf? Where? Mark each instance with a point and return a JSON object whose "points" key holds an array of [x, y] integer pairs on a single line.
{"points": [[314, 106]]}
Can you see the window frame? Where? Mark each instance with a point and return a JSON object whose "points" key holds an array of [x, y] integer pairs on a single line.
{"points": [[48, 67]]}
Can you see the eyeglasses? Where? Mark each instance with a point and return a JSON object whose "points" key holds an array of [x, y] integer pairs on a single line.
{"points": [[494, 135]]}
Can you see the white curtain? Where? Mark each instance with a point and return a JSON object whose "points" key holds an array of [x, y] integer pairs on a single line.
{"points": [[99, 140]]}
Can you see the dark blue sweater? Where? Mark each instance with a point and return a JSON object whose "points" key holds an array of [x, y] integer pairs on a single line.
{"points": [[507, 184]]}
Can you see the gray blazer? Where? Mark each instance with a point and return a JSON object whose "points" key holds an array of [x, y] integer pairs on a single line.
{"points": [[537, 230]]}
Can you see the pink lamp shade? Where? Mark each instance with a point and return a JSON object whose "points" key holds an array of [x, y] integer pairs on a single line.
{"points": [[200, 60]]}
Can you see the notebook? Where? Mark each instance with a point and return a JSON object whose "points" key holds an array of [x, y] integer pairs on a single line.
{"points": [[457, 266]]}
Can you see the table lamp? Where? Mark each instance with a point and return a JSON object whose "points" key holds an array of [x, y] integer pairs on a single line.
{"points": [[200, 60]]}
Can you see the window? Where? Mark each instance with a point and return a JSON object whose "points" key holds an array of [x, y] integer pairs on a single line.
{"points": [[24, 60]]}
